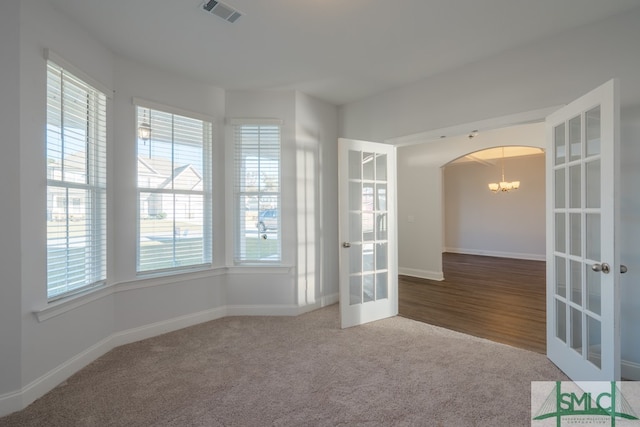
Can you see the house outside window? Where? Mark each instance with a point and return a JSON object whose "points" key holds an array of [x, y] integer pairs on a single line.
{"points": [[257, 199], [174, 168], [76, 183]]}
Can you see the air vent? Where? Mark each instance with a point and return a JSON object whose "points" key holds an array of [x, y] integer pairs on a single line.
{"points": [[222, 10]]}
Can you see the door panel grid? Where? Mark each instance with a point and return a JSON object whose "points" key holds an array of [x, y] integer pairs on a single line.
{"points": [[368, 253], [579, 178], [368, 275]]}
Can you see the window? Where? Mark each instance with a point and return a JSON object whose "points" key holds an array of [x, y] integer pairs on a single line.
{"points": [[257, 192], [76, 183], [174, 191]]}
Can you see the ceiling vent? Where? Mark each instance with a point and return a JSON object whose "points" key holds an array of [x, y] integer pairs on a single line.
{"points": [[222, 10]]}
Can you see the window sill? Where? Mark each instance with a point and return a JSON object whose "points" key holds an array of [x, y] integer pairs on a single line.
{"points": [[71, 302], [260, 269]]}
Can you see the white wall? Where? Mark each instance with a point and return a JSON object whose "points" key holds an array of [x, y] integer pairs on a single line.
{"points": [[308, 276], [478, 221], [421, 224], [317, 207], [149, 301], [45, 346], [268, 285], [543, 74], [134, 80], [630, 236], [420, 215], [43, 343], [10, 245]]}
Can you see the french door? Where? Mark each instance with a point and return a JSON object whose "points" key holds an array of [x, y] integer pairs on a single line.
{"points": [[368, 242], [583, 266]]}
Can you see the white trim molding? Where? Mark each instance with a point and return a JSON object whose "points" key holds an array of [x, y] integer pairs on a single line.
{"points": [[50, 55], [630, 370], [422, 274], [280, 310], [165, 326], [172, 110], [20, 399], [499, 254], [72, 302], [533, 116], [232, 121]]}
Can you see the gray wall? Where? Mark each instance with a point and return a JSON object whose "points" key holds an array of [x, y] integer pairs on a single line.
{"points": [[546, 73], [630, 236], [421, 210], [317, 207], [478, 221], [10, 246]]}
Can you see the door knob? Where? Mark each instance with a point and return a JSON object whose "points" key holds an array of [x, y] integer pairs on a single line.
{"points": [[604, 267], [623, 269], [346, 245]]}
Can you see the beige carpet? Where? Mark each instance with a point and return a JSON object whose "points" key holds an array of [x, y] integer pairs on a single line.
{"points": [[283, 371]]}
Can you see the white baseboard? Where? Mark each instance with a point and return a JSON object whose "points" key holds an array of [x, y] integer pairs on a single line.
{"points": [[20, 399], [11, 402], [516, 255], [423, 274], [630, 370], [262, 310], [280, 310], [164, 326], [42, 385], [322, 302]]}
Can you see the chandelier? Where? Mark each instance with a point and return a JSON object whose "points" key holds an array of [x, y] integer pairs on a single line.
{"points": [[503, 185]]}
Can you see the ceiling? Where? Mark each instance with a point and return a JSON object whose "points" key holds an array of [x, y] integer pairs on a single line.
{"points": [[337, 50], [491, 154]]}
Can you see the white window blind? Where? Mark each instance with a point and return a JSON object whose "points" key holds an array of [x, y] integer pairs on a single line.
{"points": [[174, 191], [76, 183], [257, 193]]}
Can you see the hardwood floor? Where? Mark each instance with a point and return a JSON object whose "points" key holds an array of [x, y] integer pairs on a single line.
{"points": [[495, 298]]}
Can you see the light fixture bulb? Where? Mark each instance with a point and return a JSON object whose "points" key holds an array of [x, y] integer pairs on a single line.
{"points": [[144, 131], [503, 186]]}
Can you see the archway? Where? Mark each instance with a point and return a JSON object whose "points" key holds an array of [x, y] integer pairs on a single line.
{"points": [[421, 195], [479, 221]]}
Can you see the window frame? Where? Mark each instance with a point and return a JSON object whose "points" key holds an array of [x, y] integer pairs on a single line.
{"points": [[235, 194], [96, 141], [207, 191]]}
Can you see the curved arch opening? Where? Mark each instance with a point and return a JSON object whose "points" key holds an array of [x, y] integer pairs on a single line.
{"points": [[494, 153], [477, 221], [457, 215]]}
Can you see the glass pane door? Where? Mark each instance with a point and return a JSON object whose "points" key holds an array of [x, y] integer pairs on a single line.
{"points": [[577, 238], [583, 333], [368, 261], [368, 275]]}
